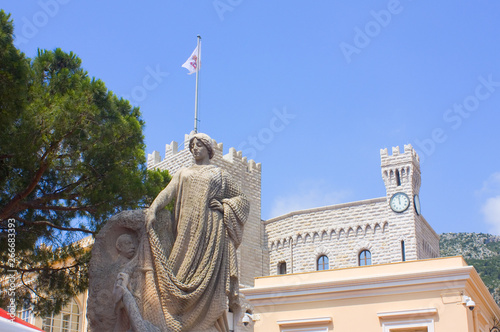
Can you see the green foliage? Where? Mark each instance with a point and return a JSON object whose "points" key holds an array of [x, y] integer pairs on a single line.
{"points": [[479, 250], [494, 246], [14, 70], [71, 155], [489, 270]]}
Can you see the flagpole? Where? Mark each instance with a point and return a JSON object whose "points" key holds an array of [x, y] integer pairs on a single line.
{"points": [[198, 62]]}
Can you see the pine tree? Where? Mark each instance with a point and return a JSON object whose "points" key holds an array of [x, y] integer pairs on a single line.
{"points": [[71, 155]]}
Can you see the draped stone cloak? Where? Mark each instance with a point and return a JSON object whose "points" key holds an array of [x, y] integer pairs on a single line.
{"points": [[194, 279]]}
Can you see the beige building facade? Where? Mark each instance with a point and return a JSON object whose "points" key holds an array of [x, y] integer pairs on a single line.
{"points": [[72, 318], [432, 295]]}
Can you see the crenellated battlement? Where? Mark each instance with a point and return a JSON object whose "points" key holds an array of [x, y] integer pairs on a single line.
{"points": [[172, 152], [409, 154]]}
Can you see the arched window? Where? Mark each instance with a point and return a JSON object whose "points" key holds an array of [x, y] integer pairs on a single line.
{"points": [[282, 268], [68, 320], [323, 263], [26, 313], [365, 258]]}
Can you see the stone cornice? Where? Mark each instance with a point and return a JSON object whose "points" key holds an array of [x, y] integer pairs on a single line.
{"points": [[325, 208], [299, 290], [307, 321], [478, 284], [407, 313]]}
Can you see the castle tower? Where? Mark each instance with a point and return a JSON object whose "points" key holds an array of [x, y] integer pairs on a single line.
{"points": [[252, 253], [401, 175], [401, 171]]}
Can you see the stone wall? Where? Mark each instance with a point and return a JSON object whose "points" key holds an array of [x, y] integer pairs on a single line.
{"points": [[428, 245], [342, 231]]}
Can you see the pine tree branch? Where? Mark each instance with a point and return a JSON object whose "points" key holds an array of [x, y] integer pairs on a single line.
{"points": [[10, 208], [6, 156], [31, 289], [38, 269], [51, 197], [13, 206], [62, 228], [57, 207], [70, 186], [69, 229]]}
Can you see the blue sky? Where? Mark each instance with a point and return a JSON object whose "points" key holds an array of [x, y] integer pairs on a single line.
{"points": [[311, 90]]}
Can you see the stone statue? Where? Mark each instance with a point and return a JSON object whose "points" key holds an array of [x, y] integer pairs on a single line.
{"points": [[172, 271]]}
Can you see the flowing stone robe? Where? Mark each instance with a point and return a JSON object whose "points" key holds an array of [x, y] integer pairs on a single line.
{"points": [[194, 279]]}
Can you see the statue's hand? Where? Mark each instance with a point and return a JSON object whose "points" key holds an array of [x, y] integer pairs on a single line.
{"points": [[120, 286], [216, 205]]}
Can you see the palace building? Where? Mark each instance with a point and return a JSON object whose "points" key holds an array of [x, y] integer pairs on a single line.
{"points": [[375, 231], [381, 230], [370, 265]]}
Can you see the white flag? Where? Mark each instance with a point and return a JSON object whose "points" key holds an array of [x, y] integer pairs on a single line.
{"points": [[192, 62]]}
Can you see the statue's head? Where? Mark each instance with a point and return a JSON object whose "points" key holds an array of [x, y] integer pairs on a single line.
{"points": [[205, 140], [125, 245]]}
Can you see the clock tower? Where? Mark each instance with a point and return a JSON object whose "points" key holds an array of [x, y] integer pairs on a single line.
{"points": [[401, 171], [414, 238]]}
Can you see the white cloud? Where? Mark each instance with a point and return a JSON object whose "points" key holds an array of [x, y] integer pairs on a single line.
{"points": [[491, 185], [490, 194], [491, 212], [308, 194]]}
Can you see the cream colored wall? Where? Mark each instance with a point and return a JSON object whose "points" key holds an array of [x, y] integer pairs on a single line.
{"points": [[366, 298], [360, 314]]}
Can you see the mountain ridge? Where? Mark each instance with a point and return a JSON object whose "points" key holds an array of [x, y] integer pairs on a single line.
{"points": [[479, 250]]}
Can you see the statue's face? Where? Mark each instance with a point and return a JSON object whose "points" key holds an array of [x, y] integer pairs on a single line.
{"points": [[127, 247], [199, 150]]}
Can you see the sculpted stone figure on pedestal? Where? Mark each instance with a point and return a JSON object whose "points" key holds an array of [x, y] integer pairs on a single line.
{"points": [[183, 276]]}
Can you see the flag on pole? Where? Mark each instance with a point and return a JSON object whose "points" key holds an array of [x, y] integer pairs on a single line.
{"points": [[193, 61]]}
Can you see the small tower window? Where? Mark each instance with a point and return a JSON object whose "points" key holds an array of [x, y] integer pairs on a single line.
{"points": [[403, 253], [398, 178], [323, 263], [365, 258], [282, 268]]}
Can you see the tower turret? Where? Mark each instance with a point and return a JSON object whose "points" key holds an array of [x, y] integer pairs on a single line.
{"points": [[401, 171]]}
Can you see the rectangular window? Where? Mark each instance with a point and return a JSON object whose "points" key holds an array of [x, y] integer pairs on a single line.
{"points": [[26, 315], [282, 268], [305, 329], [403, 253]]}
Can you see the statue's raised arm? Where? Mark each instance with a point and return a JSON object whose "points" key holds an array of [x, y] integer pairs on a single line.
{"points": [[162, 200]]}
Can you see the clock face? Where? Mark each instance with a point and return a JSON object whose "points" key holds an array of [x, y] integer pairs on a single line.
{"points": [[399, 202], [416, 202]]}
